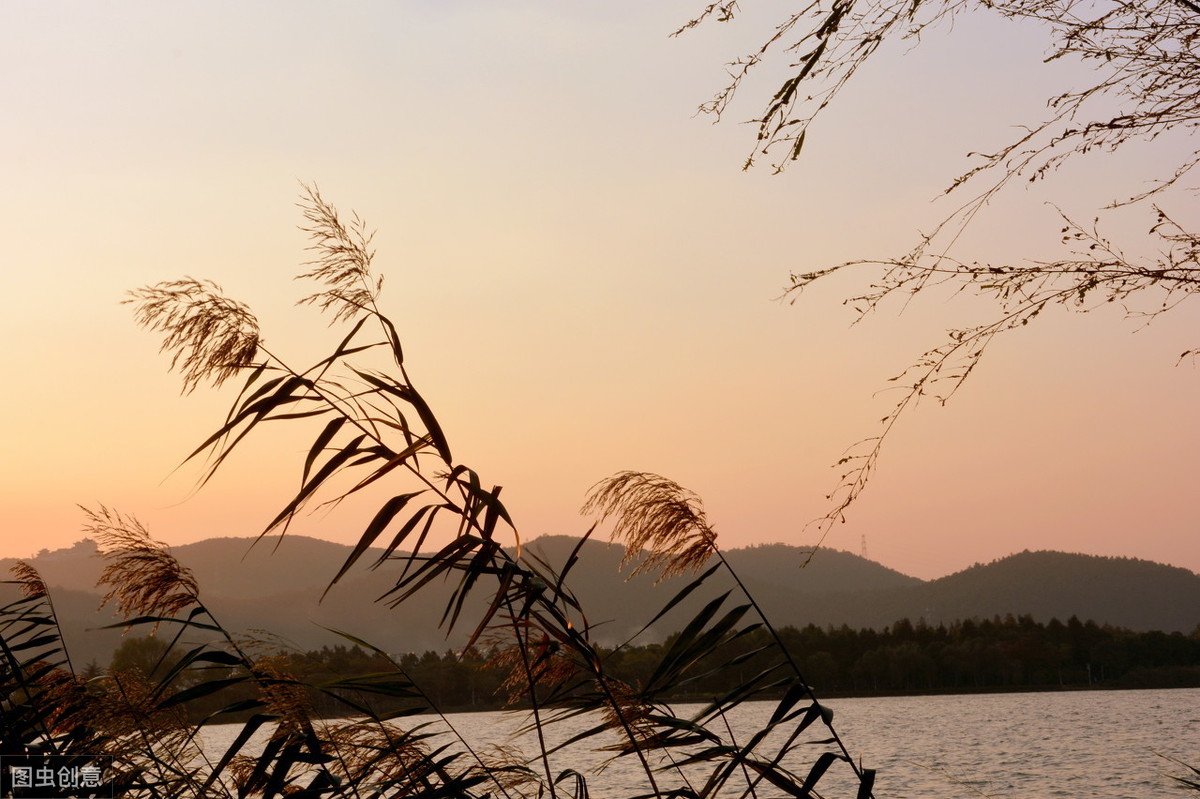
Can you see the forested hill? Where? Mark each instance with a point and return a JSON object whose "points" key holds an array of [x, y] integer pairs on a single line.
{"points": [[1124, 592], [277, 589], [842, 588]]}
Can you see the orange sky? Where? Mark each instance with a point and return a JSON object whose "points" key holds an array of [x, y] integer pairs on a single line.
{"points": [[584, 278]]}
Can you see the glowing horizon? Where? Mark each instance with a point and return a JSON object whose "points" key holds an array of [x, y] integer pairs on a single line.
{"points": [[584, 280]]}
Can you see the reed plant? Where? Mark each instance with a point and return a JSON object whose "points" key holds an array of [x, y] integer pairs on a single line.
{"points": [[374, 428]]}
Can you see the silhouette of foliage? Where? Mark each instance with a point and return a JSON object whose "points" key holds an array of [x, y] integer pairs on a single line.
{"points": [[1001, 653]]}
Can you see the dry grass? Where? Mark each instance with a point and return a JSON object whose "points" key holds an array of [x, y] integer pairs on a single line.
{"points": [[63, 693], [130, 708], [553, 665]]}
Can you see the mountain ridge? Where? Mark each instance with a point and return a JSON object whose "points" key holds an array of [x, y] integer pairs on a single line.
{"points": [[277, 587]]}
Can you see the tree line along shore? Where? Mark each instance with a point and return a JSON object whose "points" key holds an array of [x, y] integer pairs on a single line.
{"points": [[1010, 653]]}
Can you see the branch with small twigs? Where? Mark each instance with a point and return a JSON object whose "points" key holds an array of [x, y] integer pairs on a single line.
{"points": [[1099, 274]]}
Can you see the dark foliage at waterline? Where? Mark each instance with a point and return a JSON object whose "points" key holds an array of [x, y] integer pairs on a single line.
{"points": [[376, 429], [1009, 653], [990, 654]]}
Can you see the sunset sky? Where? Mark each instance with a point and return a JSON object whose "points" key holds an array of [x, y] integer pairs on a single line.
{"points": [[584, 278]]}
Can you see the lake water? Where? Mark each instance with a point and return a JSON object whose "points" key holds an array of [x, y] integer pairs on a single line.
{"points": [[1082, 744]]}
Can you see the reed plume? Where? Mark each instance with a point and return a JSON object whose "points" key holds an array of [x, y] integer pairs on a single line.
{"points": [[343, 259], [285, 697], [627, 712], [507, 766], [378, 751], [533, 660], [657, 517], [151, 746], [240, 770], [210, 336], [29, 580], [63, 693], [145, 578], [129, 706]]}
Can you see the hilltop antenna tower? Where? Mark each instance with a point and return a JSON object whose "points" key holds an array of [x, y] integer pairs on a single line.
{"points": [[863, 551]]}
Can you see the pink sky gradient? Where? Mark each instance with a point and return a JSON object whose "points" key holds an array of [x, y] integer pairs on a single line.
{"points": [[584, 278]]}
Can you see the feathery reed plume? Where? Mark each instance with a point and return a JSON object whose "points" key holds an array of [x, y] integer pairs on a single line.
{"points": [[535, 661], [63, 693], [508, 767], [146, 578], [657, 516], [627, 712], [378, 751], [209, 335], [285, 696], [150, 745], [239, 770], [128, 707], [28, 580], [343, 261]]}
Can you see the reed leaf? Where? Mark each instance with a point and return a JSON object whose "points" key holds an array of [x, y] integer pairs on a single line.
{"points": [[382, 519]]}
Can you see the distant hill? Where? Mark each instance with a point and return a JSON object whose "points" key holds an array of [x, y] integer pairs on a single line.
{"points": [[621, 603], [278, 588], [1123, 592]]}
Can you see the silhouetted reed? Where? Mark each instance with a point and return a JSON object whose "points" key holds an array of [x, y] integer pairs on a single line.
{"points": [[661, 523], [28, 580], [342, 262], [143, 577], [376, 428], [209, 336]]}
